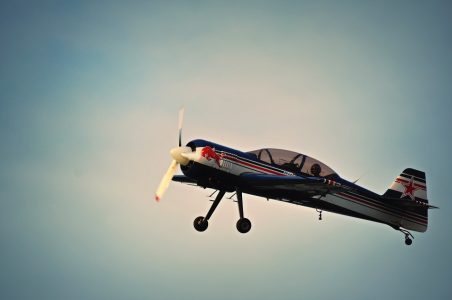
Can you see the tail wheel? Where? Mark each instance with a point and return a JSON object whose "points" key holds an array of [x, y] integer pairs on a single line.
{"points": [[408, 236]]}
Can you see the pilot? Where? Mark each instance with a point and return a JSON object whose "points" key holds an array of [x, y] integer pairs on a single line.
{"points": [[315, 170]]}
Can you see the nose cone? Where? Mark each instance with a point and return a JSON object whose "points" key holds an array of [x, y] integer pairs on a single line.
{"points": [[177, 152]]}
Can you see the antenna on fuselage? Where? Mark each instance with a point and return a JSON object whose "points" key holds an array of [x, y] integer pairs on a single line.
{"points": [[359, 178]]}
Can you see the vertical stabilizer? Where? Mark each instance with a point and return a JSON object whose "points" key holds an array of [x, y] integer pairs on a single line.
{"points": [[409, 185], [408, 193]]}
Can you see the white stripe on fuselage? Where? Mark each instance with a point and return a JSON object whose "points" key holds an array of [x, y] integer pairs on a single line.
{"points": [[380, 212]]}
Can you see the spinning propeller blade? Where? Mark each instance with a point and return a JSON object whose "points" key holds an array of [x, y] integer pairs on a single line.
{"points": [[164, 183], [179, 157]]}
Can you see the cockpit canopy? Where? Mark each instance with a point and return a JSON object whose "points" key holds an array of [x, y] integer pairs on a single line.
{"points": [[293, 162]]}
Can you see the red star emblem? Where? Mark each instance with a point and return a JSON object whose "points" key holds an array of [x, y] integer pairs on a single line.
{"points": [[409, 189]]}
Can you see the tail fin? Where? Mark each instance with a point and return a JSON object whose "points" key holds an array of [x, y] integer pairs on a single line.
{"points": [[409, 193], [410, 185]]}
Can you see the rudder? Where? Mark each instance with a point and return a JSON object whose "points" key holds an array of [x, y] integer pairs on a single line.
{"points": [[409, 185], [409, 193]]}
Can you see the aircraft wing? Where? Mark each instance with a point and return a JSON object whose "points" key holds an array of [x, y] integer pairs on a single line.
{"points": [[312, 185], [264, 182]]}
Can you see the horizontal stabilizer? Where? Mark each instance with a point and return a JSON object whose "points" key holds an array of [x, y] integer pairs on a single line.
{"points": [[409, 203]]}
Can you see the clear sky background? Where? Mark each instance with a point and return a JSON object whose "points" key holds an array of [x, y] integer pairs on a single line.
{"points": [[89, 99]]}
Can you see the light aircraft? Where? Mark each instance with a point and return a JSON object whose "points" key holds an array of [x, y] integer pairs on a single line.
{"points": [[295, 178]]}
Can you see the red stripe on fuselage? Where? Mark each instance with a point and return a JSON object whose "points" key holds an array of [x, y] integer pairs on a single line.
{"points": [[260, 168], [396, 210], [382, 208]]}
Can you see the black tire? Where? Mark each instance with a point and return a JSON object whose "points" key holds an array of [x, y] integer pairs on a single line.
{"points": [[243, 225], [200, 224], [408, 241]]}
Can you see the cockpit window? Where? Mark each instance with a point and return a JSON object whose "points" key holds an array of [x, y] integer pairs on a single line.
{"points": [[264, 155], [293, 162]]}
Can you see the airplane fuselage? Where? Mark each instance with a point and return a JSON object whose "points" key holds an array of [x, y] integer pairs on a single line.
{"points": [[219, 167]]}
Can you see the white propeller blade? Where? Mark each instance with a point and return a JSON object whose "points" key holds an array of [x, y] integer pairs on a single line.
{"points": [[166, 180]]}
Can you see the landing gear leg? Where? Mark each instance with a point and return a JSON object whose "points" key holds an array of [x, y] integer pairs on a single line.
{"points": [[201, 223], [408, 236], [243, 224]]}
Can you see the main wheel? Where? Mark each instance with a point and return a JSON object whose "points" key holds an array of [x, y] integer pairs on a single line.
{"points": [[408, 241], [243, 225], [200, 224]]}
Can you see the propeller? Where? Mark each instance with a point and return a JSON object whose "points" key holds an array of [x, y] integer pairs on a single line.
{"points": [[180, 156]]}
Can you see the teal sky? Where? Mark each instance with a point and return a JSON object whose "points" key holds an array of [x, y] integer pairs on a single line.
{"points": [[89, 99]]}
